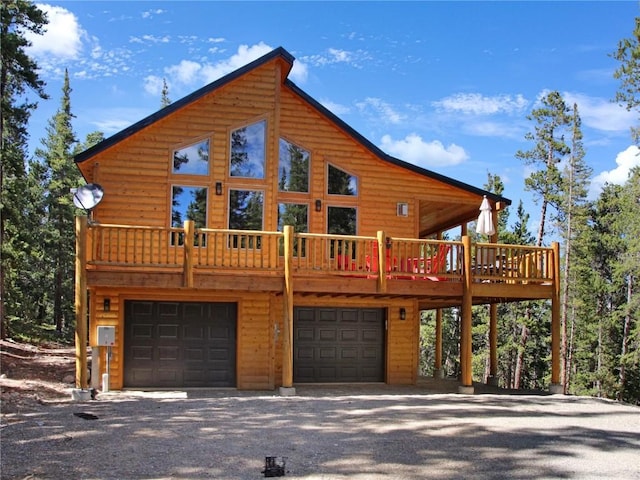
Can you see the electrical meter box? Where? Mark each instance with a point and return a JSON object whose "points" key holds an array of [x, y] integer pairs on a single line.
{"points": [[106, 336]]}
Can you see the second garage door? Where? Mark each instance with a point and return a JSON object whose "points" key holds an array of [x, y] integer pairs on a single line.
{"points": [[179, 344], [338, 345]]}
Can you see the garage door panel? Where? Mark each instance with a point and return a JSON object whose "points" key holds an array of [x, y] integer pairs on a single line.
{"points": [[168, 376], [349, 353], [338, 345], [142, 353], [168, 331], [174, 344], [349, 335], [168, 353], [168, 309], [142, 331], [327, 334], [305, 333]]}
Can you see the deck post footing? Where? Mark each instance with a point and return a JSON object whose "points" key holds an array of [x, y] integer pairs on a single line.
{"points": [[556, 389], [465, 389], [287, 391]]}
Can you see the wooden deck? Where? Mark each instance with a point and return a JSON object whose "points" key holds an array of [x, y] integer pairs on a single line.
{"points": [[432, 271]]}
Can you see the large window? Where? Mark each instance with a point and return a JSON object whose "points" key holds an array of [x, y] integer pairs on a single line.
{"points": [[293, 168], [192, 159], [342, 221], [187, 203], [248, 151], [245, 213], [341, 182], [296, 215]]}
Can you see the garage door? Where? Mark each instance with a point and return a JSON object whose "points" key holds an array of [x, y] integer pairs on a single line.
{"points": [[338, 345], [179, 344]]}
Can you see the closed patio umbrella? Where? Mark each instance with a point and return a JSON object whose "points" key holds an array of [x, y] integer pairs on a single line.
{"points": [[485, 219]]}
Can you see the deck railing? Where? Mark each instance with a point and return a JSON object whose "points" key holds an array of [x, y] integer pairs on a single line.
{"points": [[122, 246]]}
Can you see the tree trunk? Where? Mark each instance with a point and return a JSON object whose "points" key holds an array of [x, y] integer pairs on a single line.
{"points": [[622, 377], [524, 335]]}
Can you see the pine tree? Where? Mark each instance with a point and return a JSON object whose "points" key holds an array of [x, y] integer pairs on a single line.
{"points": [[57, 156], [164, 99], [571, 219], [551, 121], [628, 54], [18, 75]]}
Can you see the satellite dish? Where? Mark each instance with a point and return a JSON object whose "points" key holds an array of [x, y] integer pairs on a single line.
{"points": [[87, 196]]}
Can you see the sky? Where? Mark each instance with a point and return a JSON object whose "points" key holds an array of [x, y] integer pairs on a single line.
{"points": [[446, 85]]}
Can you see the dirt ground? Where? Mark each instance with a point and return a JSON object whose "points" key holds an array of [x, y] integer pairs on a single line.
{"points": [[32, 376], [355, 432]]}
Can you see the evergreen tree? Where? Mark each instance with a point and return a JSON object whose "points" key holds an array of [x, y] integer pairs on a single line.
{"points": [[628, 54], [551, 121], [164, 99], [572, 212], [18, 75], [57, 156]]}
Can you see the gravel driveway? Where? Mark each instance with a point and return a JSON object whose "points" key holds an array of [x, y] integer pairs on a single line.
{"points": [[365, 432]]}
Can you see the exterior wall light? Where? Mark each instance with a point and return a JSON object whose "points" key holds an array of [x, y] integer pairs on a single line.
{"points": [[218, 188], [106, 304], [403, 314], [318, 205]]}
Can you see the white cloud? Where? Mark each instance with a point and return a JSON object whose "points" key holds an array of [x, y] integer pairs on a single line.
{"points": [[150, 39], [414, 149], [114, 120], [494, 129], [601, 114], [62, 37], [152, 13], [478, 104], [186, 72], [625, 161], [336, 108], [381, 108], [193, 74], [246, 54], [153, 85], [335, 55]]}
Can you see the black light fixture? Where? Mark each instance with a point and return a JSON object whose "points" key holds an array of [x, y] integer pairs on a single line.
{"points": [[106, 304], [318, 205], [218, 188], [403, 313]]}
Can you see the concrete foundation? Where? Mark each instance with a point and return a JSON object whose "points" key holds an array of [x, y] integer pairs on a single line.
{"points": [[438, 373], [556, 389], [465, 390], [79, 395], [492, 381], [287, 391]]}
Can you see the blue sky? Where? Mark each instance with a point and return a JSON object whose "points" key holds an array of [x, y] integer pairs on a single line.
{"points": [[444, 85]]}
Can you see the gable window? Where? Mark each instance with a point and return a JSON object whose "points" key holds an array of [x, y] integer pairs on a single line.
{"points": [[192, 159], [293, 168], [248, 151], [245, 213], [296, 215], [187, 203], [341, 182]]}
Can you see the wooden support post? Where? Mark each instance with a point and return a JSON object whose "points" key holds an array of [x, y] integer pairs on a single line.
{"points": [[81, 302], [437, 371], [465, 323], [189, 231], [287, 337], [556, 386], [382, 262]]}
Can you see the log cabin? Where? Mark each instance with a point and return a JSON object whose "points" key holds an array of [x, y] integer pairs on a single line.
{"points": [[249, 238]]}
